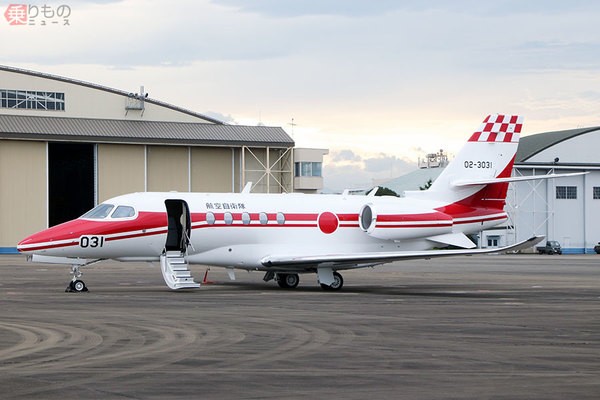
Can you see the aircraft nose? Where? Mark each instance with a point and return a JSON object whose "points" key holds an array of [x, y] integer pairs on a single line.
{"points": [[34, 242], [52, 238]]}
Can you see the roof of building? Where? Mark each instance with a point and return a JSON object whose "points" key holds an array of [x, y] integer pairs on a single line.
{"points": [[143, 132], [107, 89], [531, 145]]}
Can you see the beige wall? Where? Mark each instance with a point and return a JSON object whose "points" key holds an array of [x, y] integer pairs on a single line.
{"points": [[23, 190], [168, 168], [211, 169], [120, 170]]}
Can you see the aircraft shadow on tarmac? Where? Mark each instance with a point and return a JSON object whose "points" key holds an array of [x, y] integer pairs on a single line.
{"points": [[447, 291]]}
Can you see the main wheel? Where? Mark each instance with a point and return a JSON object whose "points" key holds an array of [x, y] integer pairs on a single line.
{"points": [[337, 284], [288, 281]]}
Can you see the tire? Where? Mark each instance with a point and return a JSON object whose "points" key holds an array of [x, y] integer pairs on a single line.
{"points": [[338, 283], [288, 281], [292, 280], [79, 286]]}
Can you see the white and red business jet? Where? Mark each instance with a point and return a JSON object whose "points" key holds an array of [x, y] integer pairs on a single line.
{"points": [[286, 235]]}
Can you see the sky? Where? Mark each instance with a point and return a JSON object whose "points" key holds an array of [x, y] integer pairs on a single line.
{"points": [[379, 83]]}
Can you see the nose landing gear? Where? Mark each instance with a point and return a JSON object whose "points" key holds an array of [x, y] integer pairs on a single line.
{"points": [[76, 285]]}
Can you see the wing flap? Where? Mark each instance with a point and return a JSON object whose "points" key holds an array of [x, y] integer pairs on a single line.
{"points": [[453, 239], [335, 260]]}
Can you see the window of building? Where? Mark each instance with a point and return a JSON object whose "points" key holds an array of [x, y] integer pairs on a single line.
{"points": [[32, 100], [566, 192], [492, 241], [308, 169], [596, 193]]}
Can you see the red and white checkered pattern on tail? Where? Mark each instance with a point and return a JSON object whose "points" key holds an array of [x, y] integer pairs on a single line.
{"points": [[499, 128]]}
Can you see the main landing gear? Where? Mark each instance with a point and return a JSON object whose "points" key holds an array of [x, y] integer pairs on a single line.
{"points": [[76, 285], [337, 284], [288, 281], [291, 281]]}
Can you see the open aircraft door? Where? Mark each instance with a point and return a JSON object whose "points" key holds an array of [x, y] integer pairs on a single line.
{"points": [[179, 226]]}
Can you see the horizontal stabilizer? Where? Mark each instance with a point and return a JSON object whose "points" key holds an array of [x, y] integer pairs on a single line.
{"points": [[453, 239], [487, 181], [345, 261]]}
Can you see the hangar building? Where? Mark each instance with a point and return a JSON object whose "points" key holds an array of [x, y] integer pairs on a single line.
{"points": [[66, 145], [564, 209]]}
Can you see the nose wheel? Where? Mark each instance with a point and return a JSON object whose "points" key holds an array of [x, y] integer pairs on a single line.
{"points": [[76, 285]]}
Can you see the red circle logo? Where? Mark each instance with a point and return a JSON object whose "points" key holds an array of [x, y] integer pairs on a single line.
{"points": [[328, 222]]}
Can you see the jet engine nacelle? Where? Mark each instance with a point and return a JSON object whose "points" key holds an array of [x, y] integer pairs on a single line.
{"points": [[385, 222]]}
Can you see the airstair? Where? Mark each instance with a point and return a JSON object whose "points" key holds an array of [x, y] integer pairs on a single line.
{"points": [[174, 267]]}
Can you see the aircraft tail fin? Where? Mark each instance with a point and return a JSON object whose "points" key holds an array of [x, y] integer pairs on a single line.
{"points": [[488, 156]]}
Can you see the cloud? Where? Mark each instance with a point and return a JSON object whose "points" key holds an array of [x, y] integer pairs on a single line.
{"points": [[344, 169], [228, 119], [295, 8], [344, 155], [386, 163], [358, 77]]}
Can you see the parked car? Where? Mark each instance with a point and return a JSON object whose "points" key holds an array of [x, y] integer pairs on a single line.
{"points": [[597, 248], [551, 247]]}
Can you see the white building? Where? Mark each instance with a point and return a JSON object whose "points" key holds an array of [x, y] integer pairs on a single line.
{"points": [[564, 209]]}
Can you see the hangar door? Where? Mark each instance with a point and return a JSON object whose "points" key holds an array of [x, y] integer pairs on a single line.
{"points": [[71, 176]]}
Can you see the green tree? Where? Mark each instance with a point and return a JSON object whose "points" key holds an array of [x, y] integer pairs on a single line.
{"points": [[427, 185], [383, 191]]}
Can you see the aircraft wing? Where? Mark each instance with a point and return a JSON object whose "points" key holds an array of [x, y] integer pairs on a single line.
{"points": [[476, 182], [370, 259]]}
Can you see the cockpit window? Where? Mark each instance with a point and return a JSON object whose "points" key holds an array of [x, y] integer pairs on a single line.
{"points": [[123, 212], [99, 212]]}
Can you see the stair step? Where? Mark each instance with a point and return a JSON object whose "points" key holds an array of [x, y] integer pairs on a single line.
{"points": [[176, 272], [191, 285]]}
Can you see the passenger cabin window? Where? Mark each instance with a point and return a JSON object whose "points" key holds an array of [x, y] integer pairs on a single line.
{"points": [[280, 218], [263, 218], [210, 218], [246, 218], [228, 218], [101, 211], [123, 212]]}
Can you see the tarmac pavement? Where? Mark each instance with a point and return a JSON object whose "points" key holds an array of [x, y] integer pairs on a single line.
{"points": [[488, 327]]}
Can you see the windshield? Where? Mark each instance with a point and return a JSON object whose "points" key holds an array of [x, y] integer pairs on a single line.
{"points": [[123, 212], [99, 212]]}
